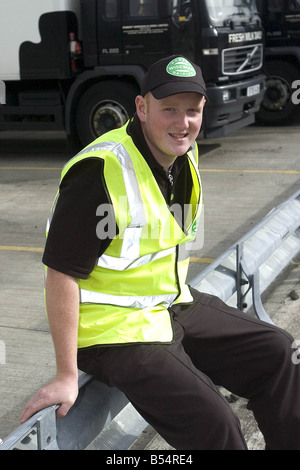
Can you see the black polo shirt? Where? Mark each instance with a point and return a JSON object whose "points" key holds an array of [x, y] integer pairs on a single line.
{"points": [[72, 245]]}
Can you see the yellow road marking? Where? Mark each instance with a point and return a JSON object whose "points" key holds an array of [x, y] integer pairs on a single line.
{"points": [[203, 170], [29, 168], [40, 250], [21, 248], [201, 260], [281, 172]]}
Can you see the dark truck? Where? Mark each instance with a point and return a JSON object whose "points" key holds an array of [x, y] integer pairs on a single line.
{"points": [[281, 22], [83, 72]]}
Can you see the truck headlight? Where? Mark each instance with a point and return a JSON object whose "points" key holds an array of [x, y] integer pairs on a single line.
{"points": [[226, 95]]}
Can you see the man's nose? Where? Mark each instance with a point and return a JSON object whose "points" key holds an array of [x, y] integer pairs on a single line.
{"points": [[182, 121]]}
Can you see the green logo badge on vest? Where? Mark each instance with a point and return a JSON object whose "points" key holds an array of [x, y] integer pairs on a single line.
{"points": [[180, 67], [195, 227]]}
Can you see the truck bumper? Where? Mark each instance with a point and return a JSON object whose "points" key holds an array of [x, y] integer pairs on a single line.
{"points": [[233, 106]]}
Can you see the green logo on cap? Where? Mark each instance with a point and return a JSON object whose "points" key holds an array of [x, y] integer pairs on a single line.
{"points": [[180, 67]]}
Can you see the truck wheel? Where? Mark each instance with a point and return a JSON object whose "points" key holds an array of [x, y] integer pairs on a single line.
{"points": [[277, 106], [103, 107]]}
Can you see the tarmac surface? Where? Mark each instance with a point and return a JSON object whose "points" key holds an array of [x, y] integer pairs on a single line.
{"points": [[244, 176]]}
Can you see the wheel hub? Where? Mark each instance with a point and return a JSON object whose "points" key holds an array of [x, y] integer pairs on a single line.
{"points": [[277, 95], [107, 116]]}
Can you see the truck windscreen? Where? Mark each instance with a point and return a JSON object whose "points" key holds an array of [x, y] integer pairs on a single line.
{"points": [[222, 12]]}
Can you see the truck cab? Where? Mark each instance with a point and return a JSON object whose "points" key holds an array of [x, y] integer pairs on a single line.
{"points": [[226, 41], [229, 46], [281, 22]]}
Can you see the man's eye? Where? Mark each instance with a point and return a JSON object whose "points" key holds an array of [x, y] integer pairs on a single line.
{"points": [[195, 111]]}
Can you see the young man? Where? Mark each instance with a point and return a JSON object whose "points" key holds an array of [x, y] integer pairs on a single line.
{"points": [[117, 255]]}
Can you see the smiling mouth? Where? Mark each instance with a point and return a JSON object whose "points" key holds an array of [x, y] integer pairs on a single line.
{"points": [[179, 136]]}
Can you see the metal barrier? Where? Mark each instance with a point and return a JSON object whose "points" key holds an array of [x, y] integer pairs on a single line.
{"points": [[102, 418], [245, 270]]}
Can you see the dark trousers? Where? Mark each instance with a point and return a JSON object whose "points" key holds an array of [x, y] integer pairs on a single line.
{"points": [[173, 386]]}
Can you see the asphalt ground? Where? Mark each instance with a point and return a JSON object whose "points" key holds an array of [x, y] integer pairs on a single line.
{"points": [[244, 176]]}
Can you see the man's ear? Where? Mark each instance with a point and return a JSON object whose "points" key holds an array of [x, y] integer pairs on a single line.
{"points": [[141, 107]]}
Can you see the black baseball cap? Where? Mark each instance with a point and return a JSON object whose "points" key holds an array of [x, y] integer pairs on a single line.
{"points": [[173, 75]]}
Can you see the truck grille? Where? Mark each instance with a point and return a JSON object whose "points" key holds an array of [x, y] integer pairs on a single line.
{"points": [[242, 59]]}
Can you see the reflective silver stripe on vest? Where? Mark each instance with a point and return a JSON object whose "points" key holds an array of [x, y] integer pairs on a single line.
{"points": [[131, 238], [135, 201], [121, 264], [49, 220], [193, 160], [126, 301]]}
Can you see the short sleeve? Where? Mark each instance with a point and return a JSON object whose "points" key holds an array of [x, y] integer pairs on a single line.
{"points": [[73, 245]]}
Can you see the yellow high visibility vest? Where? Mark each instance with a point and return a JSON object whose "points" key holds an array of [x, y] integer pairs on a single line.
{"points": [[143, 271]]}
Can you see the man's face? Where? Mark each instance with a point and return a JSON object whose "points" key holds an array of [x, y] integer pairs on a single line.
{"points": [[170, 125]]}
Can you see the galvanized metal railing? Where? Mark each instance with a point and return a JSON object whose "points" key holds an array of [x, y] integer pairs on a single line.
{"points": [[102, 418], [241, 274]]}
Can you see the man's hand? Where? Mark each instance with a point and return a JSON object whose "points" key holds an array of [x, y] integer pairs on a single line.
{"points": [[61, 392]]}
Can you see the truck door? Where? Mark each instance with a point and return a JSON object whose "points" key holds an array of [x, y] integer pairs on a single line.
{"points": [[145, 30], [109, 32]]}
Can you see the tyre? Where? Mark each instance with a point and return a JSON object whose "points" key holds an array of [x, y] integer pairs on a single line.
{"points": [[277, 106], [105, 106]]}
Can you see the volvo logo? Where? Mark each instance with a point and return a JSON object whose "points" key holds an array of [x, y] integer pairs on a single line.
{"points": [[249, 58], [248, 61]]}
